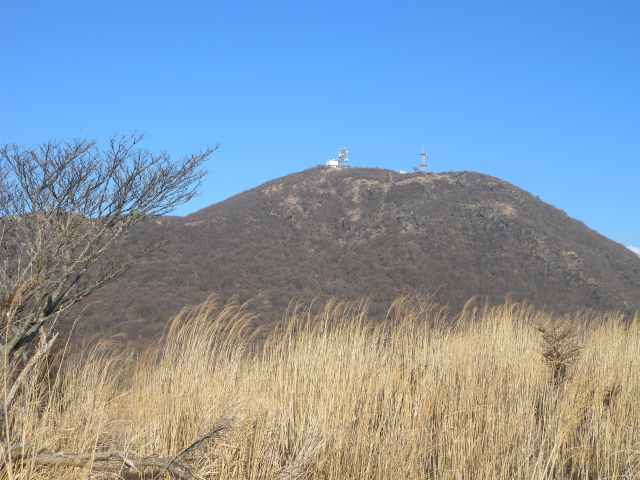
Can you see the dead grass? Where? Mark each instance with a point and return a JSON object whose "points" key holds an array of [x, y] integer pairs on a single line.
{"points": [[330, 395]]}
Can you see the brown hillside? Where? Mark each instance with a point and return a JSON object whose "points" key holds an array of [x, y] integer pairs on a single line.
{"points": [[354, 232]]}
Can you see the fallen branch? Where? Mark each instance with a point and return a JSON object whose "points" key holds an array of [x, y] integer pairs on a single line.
{"points": [[213, 432], [116, 460], [105, 461]]}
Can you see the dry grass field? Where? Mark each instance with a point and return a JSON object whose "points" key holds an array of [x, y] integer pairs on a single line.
{"points": [[498, 393]]}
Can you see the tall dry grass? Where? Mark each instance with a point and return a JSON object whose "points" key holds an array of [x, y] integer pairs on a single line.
{"points": [[331, 395]]}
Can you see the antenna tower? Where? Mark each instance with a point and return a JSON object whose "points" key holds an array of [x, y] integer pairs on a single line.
{"points": [[423, 163], [342, 157]]}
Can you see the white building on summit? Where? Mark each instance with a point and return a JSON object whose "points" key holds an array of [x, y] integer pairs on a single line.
{"points": [[333, 163]]}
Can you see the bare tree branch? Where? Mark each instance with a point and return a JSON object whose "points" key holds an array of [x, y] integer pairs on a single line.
{"points": [[64, 206], [44, 347]]}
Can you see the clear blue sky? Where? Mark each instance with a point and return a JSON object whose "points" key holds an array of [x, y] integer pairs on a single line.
{"points": [[543, 94]]}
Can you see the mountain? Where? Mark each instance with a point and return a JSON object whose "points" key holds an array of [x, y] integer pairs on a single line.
{"points": [[351, 232]]}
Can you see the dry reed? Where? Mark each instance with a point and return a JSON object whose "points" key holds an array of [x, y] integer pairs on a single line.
{"points": [[331, 395]]}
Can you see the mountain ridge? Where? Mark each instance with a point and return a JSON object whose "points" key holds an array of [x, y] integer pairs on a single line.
{"points": [[354, 232]]}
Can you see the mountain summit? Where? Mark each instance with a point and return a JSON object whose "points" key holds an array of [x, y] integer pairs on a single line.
{"points": [[353, 232]]}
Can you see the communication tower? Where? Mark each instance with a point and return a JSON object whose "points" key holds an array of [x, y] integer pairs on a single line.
{"points": [[342, 157], [423, 163]]}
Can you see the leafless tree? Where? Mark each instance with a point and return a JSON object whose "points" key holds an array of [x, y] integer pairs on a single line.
{"points": [[63, 208]]}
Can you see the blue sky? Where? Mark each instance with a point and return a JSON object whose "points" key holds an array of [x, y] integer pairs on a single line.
{"points": [[543, 94]]}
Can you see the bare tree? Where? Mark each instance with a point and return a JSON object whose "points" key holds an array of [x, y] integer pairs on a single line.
{"points": [[63, 208]]}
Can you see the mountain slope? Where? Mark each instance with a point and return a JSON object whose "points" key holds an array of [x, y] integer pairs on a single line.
{"points": [[354, 232]]}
